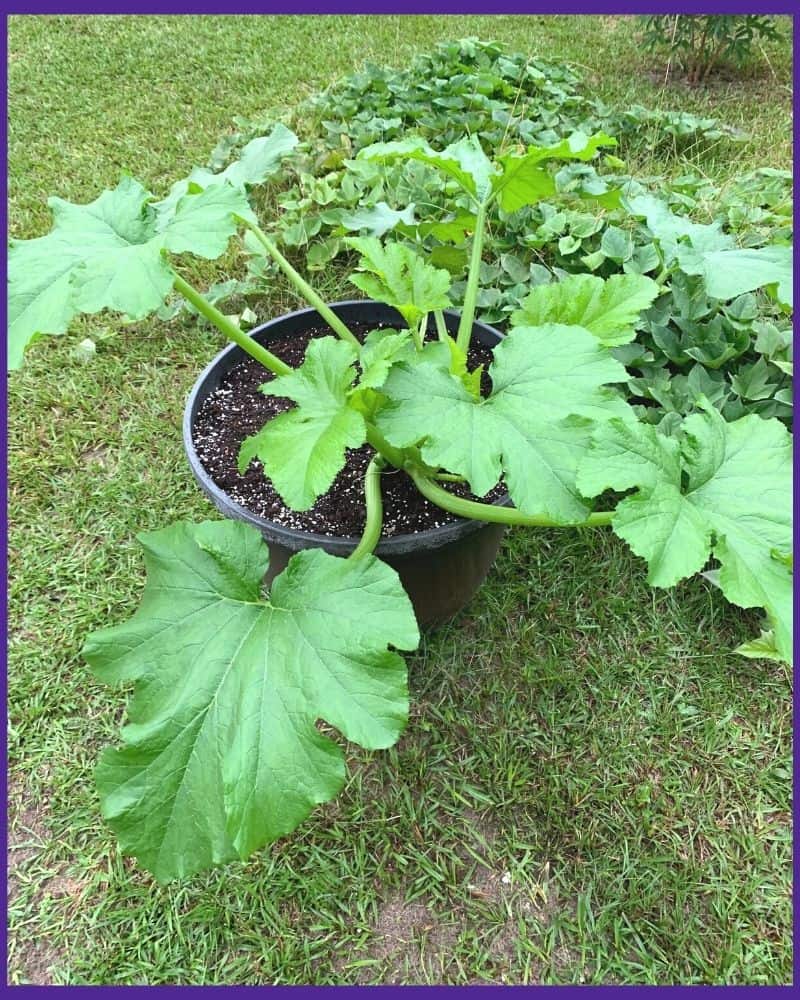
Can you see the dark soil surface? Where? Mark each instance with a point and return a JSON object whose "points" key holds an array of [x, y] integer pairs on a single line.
{"points": [[237, 409]]}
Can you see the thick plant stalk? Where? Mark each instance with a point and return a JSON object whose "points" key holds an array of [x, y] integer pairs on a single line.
{"points": [[475, 511], [471, 293], [231, 330], [374, 523], [303, 286], [393, 455]]}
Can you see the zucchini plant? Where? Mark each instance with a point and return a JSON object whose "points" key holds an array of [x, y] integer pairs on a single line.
{"points": [[221, 753]]}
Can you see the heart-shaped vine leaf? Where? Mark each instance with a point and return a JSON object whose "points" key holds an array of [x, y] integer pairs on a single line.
{"points": [[221, 751], [303, 450], [728, 493], [548, 387], [609, 309]]}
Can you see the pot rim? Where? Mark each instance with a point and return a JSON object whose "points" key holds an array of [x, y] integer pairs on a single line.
{"points": [[295, 538]]}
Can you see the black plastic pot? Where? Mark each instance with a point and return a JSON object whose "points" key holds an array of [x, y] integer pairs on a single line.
{"points": [[441, 568]]}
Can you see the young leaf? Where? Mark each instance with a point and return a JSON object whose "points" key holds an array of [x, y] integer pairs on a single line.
{"points": [[762, 648], [533, 428], [221, 754], [609, 309], [736, 504], [382, 349], [303, 450], [400, 277]]}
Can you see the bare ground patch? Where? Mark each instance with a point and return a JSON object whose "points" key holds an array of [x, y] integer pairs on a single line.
{"points": [[32, 957], [422, 941]]}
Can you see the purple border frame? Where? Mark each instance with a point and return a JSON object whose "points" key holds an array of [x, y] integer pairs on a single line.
{"points": [[376, 7], [400, 7]]}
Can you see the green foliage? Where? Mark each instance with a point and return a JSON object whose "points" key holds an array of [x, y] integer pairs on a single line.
{"points": [[721, 488], [699, 43], [400, 277], [221, 754], [225, 704], [261, 158], [547, 386], [507, 101], [111, 253], [381, 350], [608, 309], [303, 450]]}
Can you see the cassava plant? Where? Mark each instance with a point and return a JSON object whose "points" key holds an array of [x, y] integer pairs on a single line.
{"points": [[699, 43], [221, 752]]}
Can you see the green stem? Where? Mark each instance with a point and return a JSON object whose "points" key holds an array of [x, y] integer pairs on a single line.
{"points": [[230, 329], [447, 477], [416, 332], [441, 326], [497, 515], [374, 522], [393, 455], [422, 329], [471, 292], [303, 286], [663, 275]]}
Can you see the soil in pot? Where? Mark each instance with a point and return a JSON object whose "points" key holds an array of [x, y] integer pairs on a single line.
{"points": [[237, 409]]}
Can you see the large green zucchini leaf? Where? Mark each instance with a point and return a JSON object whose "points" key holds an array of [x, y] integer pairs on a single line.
{"points": [[221, 751]]}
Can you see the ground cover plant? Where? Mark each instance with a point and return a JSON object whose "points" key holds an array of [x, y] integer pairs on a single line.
{"points": [[586, 911], [699, 340]]}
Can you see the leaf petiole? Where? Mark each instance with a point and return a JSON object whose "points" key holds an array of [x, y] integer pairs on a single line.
{"points": [[393, 455], [419, 335], [229, 329], [302, 285], [374, 502], [494, 514], [471, 293], [441, 328]]}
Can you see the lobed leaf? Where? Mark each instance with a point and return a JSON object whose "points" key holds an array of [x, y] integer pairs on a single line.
{"points": [[260, 159], [400, 277], [109, 254], [462, 161], [730, 496], [221, 753], [533, 428], [609, 309], [303, 450], [728, 273], [523, 180], [382, 349]]}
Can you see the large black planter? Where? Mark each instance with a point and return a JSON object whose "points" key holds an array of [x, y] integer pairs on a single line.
{"points": [[441, 568]]}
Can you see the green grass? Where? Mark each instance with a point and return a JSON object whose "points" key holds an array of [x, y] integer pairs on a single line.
{"points": [[591, 787]]}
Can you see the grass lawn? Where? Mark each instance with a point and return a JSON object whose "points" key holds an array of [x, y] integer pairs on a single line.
{"points": [[592, 788]]}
